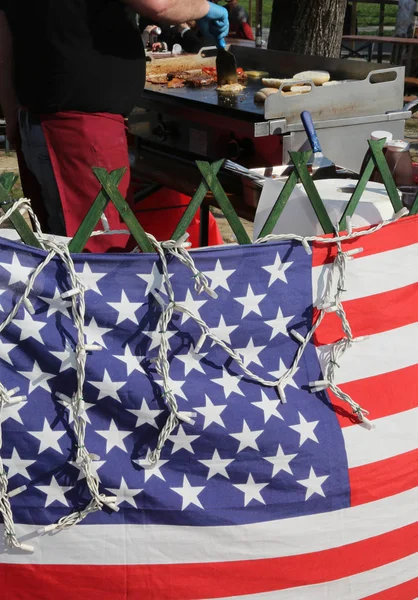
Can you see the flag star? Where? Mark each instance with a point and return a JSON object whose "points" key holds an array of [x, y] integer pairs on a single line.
{"points": [[154, 280], [182, 441], [48, 438], [268, 406], [11, 411], [5, 350], [67, 357], [114, 437], [305, 429], [126, 309], [211, 412], [223, 331], [54, 492], [155, 337], [90, 279], [150, 470], [29, 327], [65, 401], [17, 465], [175, 387], [279, 324], [313, 484], [247, 438], [37, 378], [192, 304], [189, 493], [125, 494], [145, 415], [95, 465], [281, 371], [191, 361], [281, 461], [132, 361], [219, 276], [217, 465], [94, 333], [57, 304], [18, 272], [251, 490], [251, 302], [107, 387], [250, 353], [278, 270], [229, 383]]}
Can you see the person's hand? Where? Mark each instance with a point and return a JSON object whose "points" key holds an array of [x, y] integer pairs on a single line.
{"points": [[215, 23]]}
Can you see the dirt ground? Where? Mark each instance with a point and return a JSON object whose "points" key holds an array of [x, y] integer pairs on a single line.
{"points": [[8, 162]]}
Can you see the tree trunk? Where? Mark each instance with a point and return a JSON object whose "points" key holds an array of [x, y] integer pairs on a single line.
{"points": [[307, 26]]}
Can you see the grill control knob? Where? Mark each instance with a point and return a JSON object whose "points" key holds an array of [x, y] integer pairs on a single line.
{"points": [[234, 149], [243, 148], [161, 132]]}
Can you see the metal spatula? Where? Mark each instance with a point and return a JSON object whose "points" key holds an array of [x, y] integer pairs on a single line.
{"points": [[226, 65], [320, 161]]}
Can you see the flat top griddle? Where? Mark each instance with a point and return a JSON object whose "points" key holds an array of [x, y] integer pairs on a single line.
{"points": [[211, 99]]}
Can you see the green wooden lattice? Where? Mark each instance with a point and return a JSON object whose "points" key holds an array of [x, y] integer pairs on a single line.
{"points": [[109, 192]]}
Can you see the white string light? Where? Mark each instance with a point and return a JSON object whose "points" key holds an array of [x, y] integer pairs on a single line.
{"points": [[178, 249]]}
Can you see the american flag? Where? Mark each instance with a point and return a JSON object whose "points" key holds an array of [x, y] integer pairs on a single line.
{"points": [[257, 499]]}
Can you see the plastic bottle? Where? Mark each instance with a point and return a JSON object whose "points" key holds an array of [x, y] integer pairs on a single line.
{"points": [[399, 160], [376, 135]]}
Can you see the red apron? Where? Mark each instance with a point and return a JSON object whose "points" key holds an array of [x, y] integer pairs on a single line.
{"points": [[79, 141], [76, 143]]}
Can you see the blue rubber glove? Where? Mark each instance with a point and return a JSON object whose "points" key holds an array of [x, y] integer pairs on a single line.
{"points": [[215, 23]]}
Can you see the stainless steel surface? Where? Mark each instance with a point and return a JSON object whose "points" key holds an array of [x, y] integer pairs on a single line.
{"points": [[344, 142], [201, 123], [368, 89], [351, 98]]}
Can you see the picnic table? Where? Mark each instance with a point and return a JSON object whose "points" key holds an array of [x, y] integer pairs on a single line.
{"points": [[369, 42]]}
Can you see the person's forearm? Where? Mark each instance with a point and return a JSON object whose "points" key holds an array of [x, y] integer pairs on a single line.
{"points": [[8, 100], [171, 11]]}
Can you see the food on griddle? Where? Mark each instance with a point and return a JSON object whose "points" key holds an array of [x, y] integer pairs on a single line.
{"points": [[230, 88], [195, 78], [256, 74], [317, 77], [264, 93], [183, 74], [160, 79], [333, 82], [242, 76], [277, 83], [175, 83], [301, 89], [198, 81]]}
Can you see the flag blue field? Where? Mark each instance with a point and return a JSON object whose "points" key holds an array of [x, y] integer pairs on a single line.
{"points": [[258, 498]]}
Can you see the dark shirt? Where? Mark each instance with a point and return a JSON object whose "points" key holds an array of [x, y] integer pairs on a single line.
{"points": [[76, 55], [191, 41]]}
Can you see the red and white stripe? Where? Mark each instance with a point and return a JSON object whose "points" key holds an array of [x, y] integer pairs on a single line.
{"points": [[381, 374], [366, 551]]}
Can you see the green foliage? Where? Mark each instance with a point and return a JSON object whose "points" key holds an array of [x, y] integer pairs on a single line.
{"points": [[368, 14]]}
